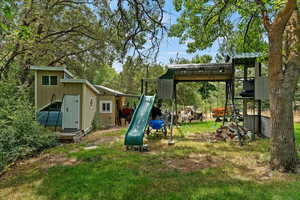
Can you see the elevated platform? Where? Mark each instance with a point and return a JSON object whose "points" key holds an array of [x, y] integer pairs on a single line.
{"points": [[199, 72]]}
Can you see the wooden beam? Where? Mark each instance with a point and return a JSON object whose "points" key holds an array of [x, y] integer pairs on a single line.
{"points": [[203, 77]]}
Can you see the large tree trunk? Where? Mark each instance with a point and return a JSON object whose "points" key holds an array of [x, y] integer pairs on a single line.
{"points": [[283, 149], [283, 77]]}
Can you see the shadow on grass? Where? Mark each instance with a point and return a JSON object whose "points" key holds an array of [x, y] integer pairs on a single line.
{"points": [[106, 180], [110, 173]]}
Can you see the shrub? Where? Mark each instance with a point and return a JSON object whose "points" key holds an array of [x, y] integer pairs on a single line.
{"points": [[97, 124], [20, 134]]}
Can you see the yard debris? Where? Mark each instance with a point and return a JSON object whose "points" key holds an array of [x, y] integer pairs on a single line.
{"points": [[90, 147], [232, 132]]}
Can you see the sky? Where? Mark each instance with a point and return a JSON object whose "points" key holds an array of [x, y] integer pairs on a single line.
{"points": [[170, 47]]}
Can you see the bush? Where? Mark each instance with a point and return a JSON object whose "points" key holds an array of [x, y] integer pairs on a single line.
{"points": [[20, 134], [97, 123]]}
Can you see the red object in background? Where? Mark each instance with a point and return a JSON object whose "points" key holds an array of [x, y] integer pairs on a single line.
{"points": [[219, 112], [126, 111]]}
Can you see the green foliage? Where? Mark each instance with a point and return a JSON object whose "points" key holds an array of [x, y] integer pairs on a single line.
{"points": [[237, 24], [84, 36], [202, 59], [206, 89], [199, 94], [20, 134], [97, 124], [135, 69], [107, 76]]}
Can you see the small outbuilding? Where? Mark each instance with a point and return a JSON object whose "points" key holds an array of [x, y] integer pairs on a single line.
{"points": [[72, 105]]}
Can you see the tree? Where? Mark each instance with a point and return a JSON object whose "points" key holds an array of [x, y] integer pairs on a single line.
{"points": [[56, 33], [135, 69], [83, 35], [107, 76], [279, 22]]}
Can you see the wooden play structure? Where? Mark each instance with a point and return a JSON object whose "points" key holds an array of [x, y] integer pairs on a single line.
{"points": [[254, 87]]}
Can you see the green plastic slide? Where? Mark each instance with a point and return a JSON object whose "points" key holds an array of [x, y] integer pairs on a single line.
{"points": [[139, 121]]}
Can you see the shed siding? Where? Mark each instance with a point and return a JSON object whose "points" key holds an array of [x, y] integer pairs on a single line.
{"points": [[106, 119], [44, 92], [43, 95], [88, 109]]}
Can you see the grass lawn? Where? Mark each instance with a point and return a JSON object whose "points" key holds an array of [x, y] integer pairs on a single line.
{"points": [[194, 168]]}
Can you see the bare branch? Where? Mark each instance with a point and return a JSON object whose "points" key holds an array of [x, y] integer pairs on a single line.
{"points": [[247, 29], [264, 12]]}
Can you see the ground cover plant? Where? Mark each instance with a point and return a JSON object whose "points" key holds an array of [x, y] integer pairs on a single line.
{"points": [[194, 168], [20, 133]]}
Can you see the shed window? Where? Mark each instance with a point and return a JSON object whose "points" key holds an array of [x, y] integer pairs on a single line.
{"points": [[105, 106], [49, 80], [53, 80], [45, 80]]}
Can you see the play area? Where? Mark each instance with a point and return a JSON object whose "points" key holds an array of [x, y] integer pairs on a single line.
{"points": [[241, 126], [73, 107]]}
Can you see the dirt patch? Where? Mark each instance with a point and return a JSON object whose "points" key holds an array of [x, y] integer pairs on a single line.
{"points": [[157, 146], [105, 140], [41, 162], [194, 162], [50, 161], [250, 168], [99, 134], [201, 137]]}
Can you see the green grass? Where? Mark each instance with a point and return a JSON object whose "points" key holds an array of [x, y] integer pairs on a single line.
{"points": [[197, 127], [297, 128], [166, 172]]}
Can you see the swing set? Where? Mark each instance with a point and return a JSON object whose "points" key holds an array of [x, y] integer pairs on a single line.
{"points": [[211, 72]]}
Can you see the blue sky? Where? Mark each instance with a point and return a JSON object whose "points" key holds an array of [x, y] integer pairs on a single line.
{"points": [[170, 47]]}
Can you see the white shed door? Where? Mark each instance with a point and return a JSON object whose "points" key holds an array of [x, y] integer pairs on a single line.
{"points": [[71, 112]]}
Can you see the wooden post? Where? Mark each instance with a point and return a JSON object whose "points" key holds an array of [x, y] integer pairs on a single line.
{"points": [[226, 102], [142, 86], [171, 141], [175, 95], [245, 108], [244, 100], [259, 106], [259, 118]]}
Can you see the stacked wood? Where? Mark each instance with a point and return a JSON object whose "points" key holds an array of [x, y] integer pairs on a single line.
{"points": [[232, 131]]}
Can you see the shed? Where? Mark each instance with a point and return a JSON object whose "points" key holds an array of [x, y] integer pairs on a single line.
{"points": [[77, 98], [74, 105]]}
